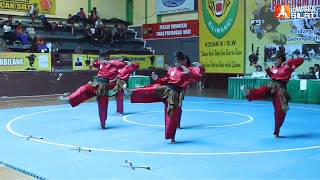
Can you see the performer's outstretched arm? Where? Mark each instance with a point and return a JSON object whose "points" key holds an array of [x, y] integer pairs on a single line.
{"points": [[295, 63]]}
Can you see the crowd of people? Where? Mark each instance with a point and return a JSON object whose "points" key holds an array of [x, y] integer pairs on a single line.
{"points": [[93, 28]]}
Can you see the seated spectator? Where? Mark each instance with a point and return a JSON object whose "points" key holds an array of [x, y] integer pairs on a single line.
{"points": [[71, 23], [115, 34], [107, 36], [82, 16], [92, 35], [30, 31], [8, 35], [258, 73], [94, 9], [311, 74], [93, 17], [317, 70], [9, 19], [33, 11], [47, 25], [41, 45], [99, 23], [123, 31], [21, 35]]}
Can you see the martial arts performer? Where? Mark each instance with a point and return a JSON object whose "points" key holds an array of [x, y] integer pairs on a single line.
{"points": [[107, 71], [280, 74], [169, 91], [121, 80]]}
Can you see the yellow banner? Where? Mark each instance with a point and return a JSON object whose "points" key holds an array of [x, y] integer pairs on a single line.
{"points": [[44, 6], [82, 61], [144, 61], [25, 62], [222, 35], [267, 35]]}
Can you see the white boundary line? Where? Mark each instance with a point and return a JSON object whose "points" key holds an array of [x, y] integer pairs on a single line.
{"points": [[11, 97], [125, 118], [8, 127]]}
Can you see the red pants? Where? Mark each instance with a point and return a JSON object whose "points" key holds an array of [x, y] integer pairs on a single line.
{"points": [[119, 100], [264, 93], [147, 95], [86, 92]]}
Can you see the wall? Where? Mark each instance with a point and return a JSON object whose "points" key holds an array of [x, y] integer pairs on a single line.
{"points": [[139, 16], [110, 8]]}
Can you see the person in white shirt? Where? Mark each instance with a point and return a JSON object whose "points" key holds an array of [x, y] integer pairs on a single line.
{"points": [[258, 73], [317, 70], [30, 31], [7, 32]]}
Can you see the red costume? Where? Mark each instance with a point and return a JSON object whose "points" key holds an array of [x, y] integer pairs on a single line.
{"points": [[122, 78], [277, 89], [108, 70], [169, 91]]}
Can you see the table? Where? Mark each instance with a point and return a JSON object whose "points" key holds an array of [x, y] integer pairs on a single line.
{"points": [[138, 81], [311, 95]]}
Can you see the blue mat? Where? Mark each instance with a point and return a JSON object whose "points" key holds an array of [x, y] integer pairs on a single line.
{"points": [[219, 139]]}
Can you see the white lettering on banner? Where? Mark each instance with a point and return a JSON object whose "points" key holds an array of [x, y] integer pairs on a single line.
{"points": [[220, 29], [166, 26], [173, 33], [11, 62], [179, 26]]}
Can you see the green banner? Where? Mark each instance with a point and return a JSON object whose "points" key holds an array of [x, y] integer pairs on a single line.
{"points": [[25, 62]]}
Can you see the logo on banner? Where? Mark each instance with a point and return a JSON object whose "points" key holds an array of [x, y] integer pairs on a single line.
{"points": [[172, 3], [282, 11], [46, 4], [219, 15], [307, 10]]}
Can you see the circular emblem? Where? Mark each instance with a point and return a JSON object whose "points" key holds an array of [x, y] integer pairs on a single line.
{"points": [[172, 3], [45, 4]]}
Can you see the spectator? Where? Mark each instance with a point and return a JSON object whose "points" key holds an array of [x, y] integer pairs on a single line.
{"points": [[258, 73], [123, 31], [311, 74], [41, 46], [70, 23], [317, 70], [81, 17], [93, 17], [92, 35], [10, 19], [94, 9], [99, 23], [82, 14], [47, 25], [8, 35], [33, 11], [21, 35], [115, 34], [30, 31]]}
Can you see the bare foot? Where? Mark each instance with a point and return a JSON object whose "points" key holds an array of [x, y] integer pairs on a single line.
{"points": [[173, 141], [64, 99], [127, 92]]}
